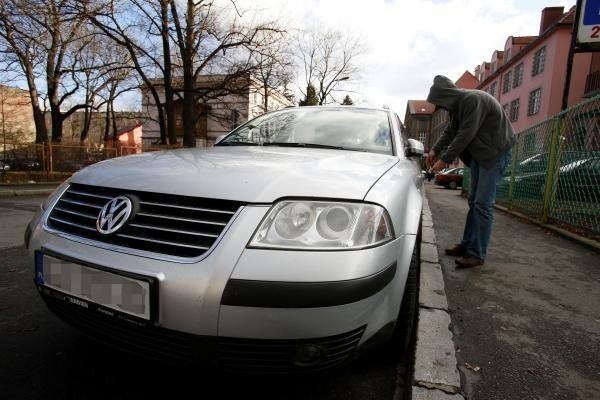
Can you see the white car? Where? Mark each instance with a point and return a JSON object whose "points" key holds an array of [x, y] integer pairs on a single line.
{"points": [[289, 246]]}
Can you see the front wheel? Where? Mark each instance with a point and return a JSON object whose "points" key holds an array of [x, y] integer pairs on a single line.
{"points": [[403, 331], [452, 185]]}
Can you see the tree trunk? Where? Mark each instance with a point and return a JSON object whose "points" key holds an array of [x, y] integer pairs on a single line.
{"points": [[114, 122], [169, 107], [107, 121], [189, 112], [189, 82], [57, 123], [41, 131]]}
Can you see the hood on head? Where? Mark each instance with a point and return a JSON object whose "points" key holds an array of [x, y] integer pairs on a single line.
{"points": [[444, 93]]}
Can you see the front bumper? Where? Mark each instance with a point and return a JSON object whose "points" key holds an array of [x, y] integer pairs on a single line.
{"points": [[207, 313]]}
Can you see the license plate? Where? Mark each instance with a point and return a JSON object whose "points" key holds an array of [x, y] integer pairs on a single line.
{"points": [[83, 284]]}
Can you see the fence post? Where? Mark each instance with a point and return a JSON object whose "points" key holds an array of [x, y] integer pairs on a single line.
{"points": [[552, 173], [50, 160], [513, 167]]}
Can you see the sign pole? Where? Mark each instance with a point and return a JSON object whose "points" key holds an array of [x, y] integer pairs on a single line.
{"points": [[574, 33]]}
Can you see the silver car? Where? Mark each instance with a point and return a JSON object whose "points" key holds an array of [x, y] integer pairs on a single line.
{"points": [[289, 246]]}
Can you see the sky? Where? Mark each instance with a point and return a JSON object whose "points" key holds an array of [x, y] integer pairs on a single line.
{"points": [[411, 41]]}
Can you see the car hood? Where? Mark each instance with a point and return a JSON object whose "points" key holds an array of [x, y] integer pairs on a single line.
{"points": [[249, 174]]}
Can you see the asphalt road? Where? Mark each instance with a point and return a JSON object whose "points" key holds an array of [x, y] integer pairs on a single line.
{"points": [[43, 358], [529, 319]]}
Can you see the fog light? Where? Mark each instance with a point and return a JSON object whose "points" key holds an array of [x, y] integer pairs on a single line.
{"points": [[307, 355]]}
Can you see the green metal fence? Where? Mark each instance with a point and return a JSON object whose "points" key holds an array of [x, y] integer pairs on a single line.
{"points": [[554, 173]]}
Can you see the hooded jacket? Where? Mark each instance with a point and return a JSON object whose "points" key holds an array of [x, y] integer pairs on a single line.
{"points": [[478, 129]]}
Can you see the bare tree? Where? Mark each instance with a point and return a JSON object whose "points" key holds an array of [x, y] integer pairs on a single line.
{"points": [[20, 49], [142, 29], [208, 41], [327, 57], [275, 68], [103, 67]]}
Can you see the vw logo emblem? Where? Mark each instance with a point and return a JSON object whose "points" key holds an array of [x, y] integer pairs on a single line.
{"points": [[114, 215]]}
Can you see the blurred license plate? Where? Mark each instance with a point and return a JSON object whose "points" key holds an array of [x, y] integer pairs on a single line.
{"points": [[118, 292]]}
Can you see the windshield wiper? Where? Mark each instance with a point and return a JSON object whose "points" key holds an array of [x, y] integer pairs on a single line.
{"points": [[310, 145], [237, 143]]}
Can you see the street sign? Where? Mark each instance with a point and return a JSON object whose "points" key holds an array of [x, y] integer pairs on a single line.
{"points": [[589, 22]]}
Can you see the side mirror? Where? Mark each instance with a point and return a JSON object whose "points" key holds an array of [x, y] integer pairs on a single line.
{"points": [[218, 139], [414, 148]]}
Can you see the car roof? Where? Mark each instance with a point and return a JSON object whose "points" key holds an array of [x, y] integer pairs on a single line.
{"points": [[339, 106]]}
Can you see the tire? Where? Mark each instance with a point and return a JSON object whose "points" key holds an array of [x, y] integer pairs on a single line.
{"points": [[405, 324], [452, 185]]}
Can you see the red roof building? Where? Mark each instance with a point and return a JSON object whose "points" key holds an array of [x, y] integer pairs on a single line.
{"points": [[528, 80]]}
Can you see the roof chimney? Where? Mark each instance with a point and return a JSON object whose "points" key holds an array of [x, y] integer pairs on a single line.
{"points": [[550, 15]]}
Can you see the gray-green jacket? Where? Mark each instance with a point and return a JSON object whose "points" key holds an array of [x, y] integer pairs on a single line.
{"points": [[479, 128]]}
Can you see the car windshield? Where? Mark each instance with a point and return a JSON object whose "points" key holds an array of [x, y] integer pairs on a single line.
{"points": [[344, 128]]}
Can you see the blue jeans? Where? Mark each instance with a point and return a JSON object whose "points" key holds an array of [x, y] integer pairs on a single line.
{"points": [[478, 228]]}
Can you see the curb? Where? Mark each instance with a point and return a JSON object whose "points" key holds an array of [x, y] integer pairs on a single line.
{"points": [[25, 192], [436, 375]]}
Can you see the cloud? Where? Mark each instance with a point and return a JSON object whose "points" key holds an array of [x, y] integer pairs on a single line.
{"points": [[412, 41]]}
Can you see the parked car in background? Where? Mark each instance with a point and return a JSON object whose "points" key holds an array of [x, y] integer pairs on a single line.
{"points": [[577, 180], [4, 167], [450, 179], [290, 246]]}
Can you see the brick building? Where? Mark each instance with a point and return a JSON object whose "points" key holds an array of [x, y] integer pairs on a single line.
{"points": [[16, 116], [417, 120], [528, 76], [218, 115]]}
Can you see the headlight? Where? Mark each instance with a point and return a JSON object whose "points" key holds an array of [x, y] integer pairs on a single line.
{"points": [[323, 225], [54, 196]]}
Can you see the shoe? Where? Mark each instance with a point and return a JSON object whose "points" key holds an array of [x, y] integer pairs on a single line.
{"points": [[468, 261], [456, 251]]}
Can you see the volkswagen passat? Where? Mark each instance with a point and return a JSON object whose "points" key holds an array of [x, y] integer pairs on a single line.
{"points": [[289, 246]]}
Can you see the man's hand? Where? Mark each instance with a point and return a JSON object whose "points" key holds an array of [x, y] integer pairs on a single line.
{"points": [[439, 165], [431, 158]]}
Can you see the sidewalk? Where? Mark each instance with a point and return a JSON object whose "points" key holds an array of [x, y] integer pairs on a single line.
{"points": [[527, 324], [27, 189]]}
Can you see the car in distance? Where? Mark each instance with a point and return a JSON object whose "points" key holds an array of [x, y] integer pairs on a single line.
{"points": [[291, 245], [451, 178]]}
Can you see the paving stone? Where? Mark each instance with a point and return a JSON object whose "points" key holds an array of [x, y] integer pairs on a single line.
{"points": [[428, 224], [429, 253], [419, 393], [428, 235], [431, 290], [435, 358]]}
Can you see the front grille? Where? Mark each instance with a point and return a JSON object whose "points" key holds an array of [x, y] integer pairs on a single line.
{"points": [[167, 224], [232, 354], [276, 356], [150, 342]]}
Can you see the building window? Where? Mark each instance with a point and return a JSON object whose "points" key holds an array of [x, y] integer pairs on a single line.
{"points": [[539, 60], [506, 82], [422, 137], [505, 108], [535, 98], [518, 78], [514, 110], [493, 89]]}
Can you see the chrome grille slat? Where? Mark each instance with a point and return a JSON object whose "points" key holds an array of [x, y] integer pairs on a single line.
{"points": [[160, 228], [162, 242], [79, 203], [195, 221], [208, 210], [172, 225], [90, 194], [81, 214], [62, 221]]}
